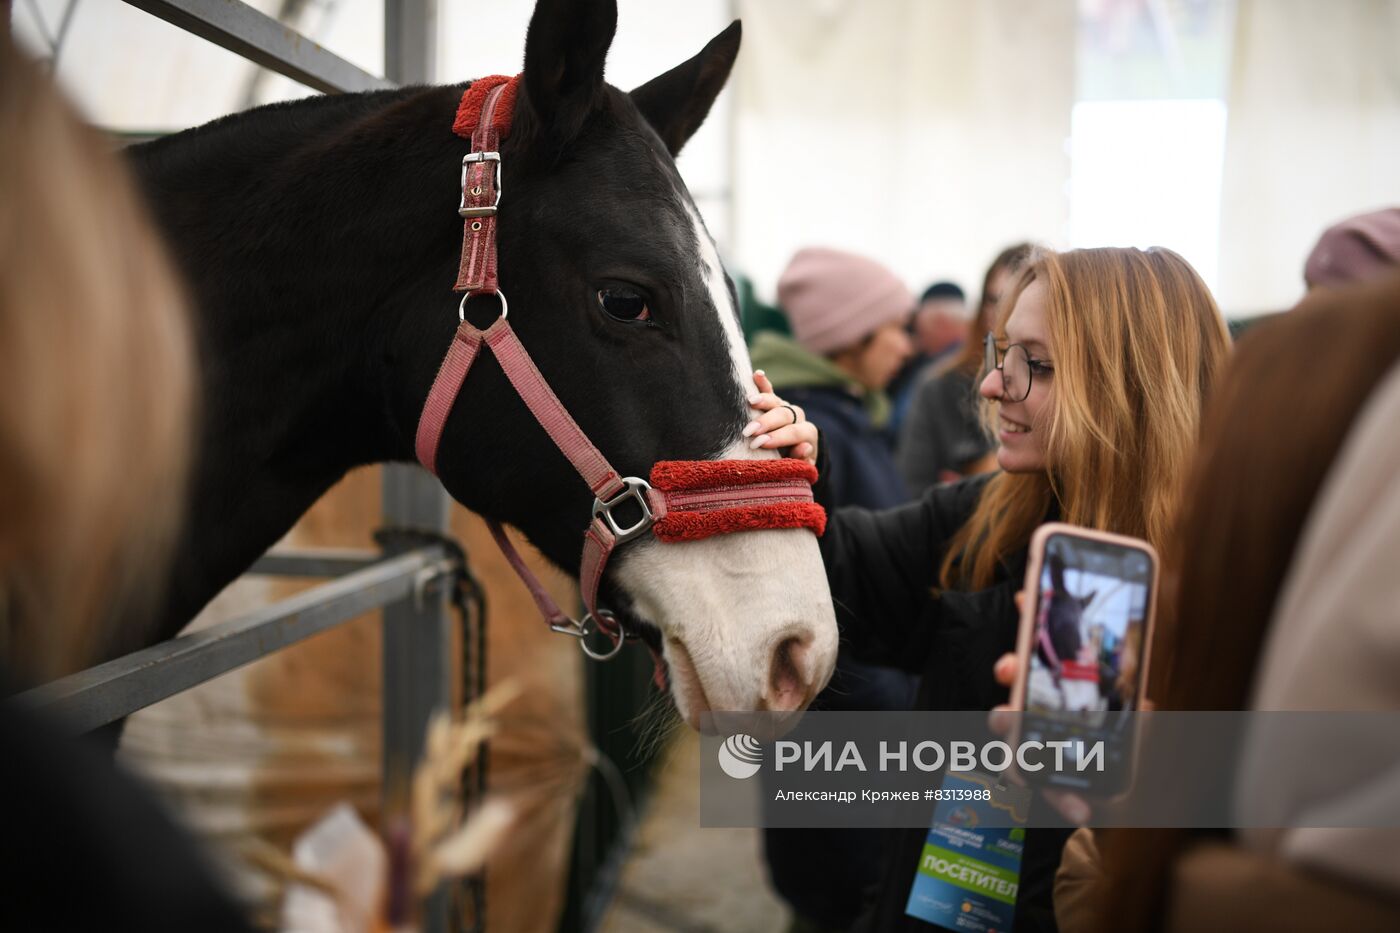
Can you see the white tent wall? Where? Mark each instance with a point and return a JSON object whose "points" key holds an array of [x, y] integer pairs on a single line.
{"points": [[1313, 137], [129, 70], [925, 133]]}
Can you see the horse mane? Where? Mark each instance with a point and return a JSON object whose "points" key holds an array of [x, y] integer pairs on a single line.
{"points": [[306, 115], [274, 145]]}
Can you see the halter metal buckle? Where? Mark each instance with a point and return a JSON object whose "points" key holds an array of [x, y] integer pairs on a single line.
{"points": [[485, 210], [636, 490]]}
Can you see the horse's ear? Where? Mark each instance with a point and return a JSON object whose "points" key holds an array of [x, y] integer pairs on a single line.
{"points": [[676, 103], [565, 49]]}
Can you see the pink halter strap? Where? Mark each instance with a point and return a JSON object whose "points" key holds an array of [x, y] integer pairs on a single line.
{"points": [[685, 500]]}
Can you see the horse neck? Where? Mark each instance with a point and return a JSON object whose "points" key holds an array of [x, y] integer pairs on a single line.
{"points": [[299, 229]]}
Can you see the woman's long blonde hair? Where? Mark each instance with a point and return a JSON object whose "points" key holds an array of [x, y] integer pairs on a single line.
{"points": [[1136, 341], [95, 384]]}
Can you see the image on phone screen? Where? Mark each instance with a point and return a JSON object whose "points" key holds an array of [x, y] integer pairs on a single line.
{"points": [[1085, 663]]}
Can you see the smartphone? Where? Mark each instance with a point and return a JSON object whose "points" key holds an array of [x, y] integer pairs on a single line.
{"points": [[1082, 651]]}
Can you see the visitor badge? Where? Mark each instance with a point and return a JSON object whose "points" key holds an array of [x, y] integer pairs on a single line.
{"points": [[969, 872]]}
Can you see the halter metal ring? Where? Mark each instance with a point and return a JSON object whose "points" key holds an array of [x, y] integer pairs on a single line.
{"points": [[636, 488], [586, 626], [589, 624], [462, 308]]}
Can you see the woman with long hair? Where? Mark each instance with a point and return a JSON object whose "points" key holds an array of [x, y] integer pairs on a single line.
{"points": [[1096, 375], [95, 385], [96, 376], [1267, 450]]}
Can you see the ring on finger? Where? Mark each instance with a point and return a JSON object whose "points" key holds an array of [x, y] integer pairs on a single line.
{"points": [[795, 419]]}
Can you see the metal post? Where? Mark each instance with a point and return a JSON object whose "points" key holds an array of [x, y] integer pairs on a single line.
{"points": [[417, 663], [417, 659], [410, 41], [417, 666]]}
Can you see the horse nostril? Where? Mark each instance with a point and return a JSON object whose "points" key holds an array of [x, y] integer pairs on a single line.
{"points": [[787, 675]]}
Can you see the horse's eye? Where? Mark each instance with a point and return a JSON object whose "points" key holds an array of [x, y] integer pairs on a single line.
{"points": [[624, 304]]}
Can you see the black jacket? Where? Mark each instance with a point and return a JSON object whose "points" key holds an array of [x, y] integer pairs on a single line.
{"points": [[822, 873], [86, 847], [882, 567]]}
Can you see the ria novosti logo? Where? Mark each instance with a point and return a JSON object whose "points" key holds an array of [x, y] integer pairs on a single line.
{"points": [[740, 756]]}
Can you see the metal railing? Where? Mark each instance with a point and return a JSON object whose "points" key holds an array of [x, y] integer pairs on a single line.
{"points": [[266, 42], [107, 692], [417, 641]]}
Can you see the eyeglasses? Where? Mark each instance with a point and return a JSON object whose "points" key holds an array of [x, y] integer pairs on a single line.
{"points": [[1017, 368]]}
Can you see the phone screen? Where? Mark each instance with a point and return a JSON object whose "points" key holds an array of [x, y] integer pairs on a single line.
{"points": [[1087, 649]]}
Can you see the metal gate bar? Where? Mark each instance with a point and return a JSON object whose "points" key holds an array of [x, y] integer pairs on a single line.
{"points": [[120, 687], [264, 41], [314, 562]]}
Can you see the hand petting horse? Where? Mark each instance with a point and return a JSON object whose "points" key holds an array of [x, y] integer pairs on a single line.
{"points": [[321, 239]]}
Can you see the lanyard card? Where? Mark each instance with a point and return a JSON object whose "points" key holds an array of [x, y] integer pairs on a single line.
{"points": [[969, 872]]}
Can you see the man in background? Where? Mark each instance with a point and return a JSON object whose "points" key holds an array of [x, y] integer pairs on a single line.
{"points": [[937, 329]]}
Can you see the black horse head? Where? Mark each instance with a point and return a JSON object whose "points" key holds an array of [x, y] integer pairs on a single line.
{"points": [[321, 239]]}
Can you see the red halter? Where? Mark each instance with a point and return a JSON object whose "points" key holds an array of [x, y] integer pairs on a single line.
{"points": [[684, 500]]}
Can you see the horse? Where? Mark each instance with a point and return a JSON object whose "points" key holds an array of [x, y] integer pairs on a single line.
{"points": [[319, 240], [1061, 636]]}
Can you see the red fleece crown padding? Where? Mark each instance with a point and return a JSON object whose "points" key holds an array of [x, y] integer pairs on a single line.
{"points": [[675, 475], [692, 526], [474, 98]]}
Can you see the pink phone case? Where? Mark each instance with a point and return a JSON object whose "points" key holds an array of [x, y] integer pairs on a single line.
{"points": [[1030, 604]]}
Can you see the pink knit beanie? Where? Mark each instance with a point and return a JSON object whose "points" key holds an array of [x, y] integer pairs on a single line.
{"points": [[835, 299], [1356, 249]]}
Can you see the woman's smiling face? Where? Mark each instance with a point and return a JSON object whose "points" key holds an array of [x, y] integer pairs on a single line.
{"points": [[1022, 427]]}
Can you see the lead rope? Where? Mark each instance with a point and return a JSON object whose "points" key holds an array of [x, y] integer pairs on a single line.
{"points": [[468, 598]]}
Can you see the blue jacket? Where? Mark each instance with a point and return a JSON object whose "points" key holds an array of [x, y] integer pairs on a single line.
{"points": [[860, 466]]}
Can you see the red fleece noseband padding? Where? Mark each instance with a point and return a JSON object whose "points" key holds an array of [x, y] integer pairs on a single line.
{"points": [[469, 110], [715, 497], [694, 526]]}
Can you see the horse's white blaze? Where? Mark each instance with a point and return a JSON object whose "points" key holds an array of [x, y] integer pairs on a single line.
{"points": [[727, 605], [721, 301]]}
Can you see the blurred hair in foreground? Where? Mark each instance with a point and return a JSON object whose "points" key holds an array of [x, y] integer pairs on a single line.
{"points": [[95, 384]]}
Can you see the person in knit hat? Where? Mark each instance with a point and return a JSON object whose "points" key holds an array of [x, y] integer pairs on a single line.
{"points": [[1357, 249], [848, 315]]}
